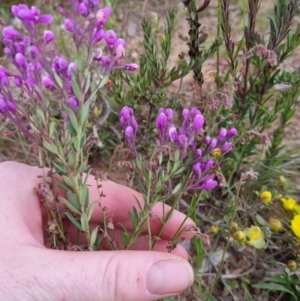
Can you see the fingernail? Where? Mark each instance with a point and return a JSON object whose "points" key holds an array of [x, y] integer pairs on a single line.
{"points": [[169, 277]]}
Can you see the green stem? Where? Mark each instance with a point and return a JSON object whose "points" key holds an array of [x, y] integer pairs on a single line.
{"points": [[227, 243]]}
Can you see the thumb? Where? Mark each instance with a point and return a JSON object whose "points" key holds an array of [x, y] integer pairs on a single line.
{"points": [[106, 275]]}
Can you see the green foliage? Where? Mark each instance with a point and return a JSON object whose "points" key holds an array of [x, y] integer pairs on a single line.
{"points": [[284, 283]]}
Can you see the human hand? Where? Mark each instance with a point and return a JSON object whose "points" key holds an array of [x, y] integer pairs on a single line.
{"points": [[30, 271]]}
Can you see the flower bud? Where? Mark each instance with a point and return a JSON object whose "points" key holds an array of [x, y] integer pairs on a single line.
{"points": [[199, 153], [227, 147], [83, 10], [266, 197], [222, 134], [186, 113], [98, 36], [209, 183], [240, 236], [126, 112], [102, 15], [10, 33], [48, 82], [231, 133], [69, 25], [170, 114], [173, 134], [45, 19], [198, 122], [33, 50], [129, 132], [131, 67], [104, 61], [20, 59], [214, 230], [207, 140], [48, 37], [213, 143], [73, 103], [217, 152], [275, 225], [161, 121], [292, 265], [119, 52], [110, 38], [17, 81]]}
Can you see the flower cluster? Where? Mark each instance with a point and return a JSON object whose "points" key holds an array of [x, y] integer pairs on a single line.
{"points": [[192, 152], [38, 67], [130, 126], [291, 205], [253, 236]]}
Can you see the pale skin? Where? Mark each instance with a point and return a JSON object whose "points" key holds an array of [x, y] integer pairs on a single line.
{"points": [[31, 271]]}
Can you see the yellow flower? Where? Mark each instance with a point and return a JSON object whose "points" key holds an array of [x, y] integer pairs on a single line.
{"points": [[240, 236], [255, 237], [288, 204], [295, 225], [275, 225], [266, 196], [292, 265], [214, 230], [297, 209], [217, 152]]}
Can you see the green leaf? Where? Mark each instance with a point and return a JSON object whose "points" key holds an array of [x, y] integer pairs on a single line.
{"points": [[50, 147], [73, 120], [275, 287], [84, 221], [104, 81], [73, 200], [177, 188], [76, 89], [91, 210], [68, 204], [94, 236], [85, 111], [261, 220], [85, 196], [68, 181], [73, 220]]}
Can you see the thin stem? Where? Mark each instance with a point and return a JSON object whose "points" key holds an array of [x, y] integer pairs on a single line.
{"points": [[228, 241]]}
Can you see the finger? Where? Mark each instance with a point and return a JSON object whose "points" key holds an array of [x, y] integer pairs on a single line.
{"points": [[105, 276], [119, 200], [21, 217]]}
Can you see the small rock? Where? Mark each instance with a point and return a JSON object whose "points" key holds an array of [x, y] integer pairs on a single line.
{"points": [[131, 29]]}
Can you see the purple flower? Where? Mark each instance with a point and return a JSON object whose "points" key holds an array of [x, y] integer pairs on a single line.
{"points": [[48, 37], [119, 52], [222, 134], [73, 102], [226, 147], [20, 59], [129, 132], [69, 25], [102, 15], [231, 133], [110, 38], [3, 79], [45, 19], [104, 61], [131, 67], [198, 122], [48, 82], [98, 36], [170, 114], [173, 133], [83, 10], [10, 33], [17, 81], [209, 183], [33, 50]]}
